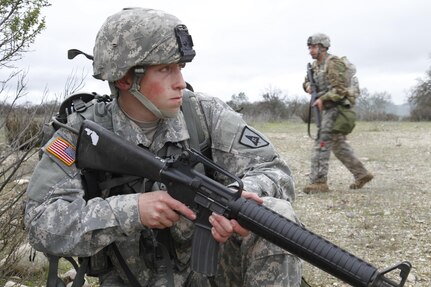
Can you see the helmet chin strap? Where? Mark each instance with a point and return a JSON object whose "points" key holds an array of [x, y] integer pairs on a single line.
{"points": [[134, 90], [320, 52]]}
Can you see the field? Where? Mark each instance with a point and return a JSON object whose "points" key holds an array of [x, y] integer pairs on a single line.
{"points": [[386, 222]]}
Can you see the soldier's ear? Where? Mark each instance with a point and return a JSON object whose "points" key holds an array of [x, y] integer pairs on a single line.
{"points": [[124, 83]]}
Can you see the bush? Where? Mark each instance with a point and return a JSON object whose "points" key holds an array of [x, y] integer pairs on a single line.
{"points": [[23, 130]]}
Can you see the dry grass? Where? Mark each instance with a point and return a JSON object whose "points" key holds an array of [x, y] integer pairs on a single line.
{"points": [[386, 222]]}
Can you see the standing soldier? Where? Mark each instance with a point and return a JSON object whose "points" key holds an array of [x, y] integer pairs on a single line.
{"points": [[332, 83]]}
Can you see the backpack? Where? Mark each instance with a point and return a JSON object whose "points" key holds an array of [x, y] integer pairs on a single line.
{"points": [[352, 80], [78, 102]]}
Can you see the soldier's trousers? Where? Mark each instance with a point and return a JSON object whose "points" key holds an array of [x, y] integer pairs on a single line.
{"points": [[327, 142]]}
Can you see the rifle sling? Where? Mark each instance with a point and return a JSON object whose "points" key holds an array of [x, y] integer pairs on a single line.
{"points": [[132, 279]]}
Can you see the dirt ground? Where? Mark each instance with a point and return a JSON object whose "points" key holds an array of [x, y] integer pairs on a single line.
{"points": [[386, 222]]}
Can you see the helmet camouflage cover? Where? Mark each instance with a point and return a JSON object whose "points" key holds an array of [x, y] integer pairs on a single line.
{"points": [[319, 38], [139, 37]]}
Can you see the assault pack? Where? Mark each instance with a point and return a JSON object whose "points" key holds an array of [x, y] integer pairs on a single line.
{"points": [[352, 80], [346, 122], [78, 102]]}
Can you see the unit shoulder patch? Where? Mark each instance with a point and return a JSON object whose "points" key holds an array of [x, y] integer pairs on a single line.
{"points": [[63, 150], [252, 139]]}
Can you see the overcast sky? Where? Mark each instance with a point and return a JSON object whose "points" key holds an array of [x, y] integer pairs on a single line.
{"points": [[251, 46]]}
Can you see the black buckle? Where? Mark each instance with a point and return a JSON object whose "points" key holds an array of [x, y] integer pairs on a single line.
{"points": [[79, 105]]}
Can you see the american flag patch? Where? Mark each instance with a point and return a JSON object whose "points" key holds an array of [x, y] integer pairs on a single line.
{"points": [[63, 150]]}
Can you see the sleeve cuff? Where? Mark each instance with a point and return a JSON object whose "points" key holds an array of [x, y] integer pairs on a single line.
{"points": [[126, 211]]}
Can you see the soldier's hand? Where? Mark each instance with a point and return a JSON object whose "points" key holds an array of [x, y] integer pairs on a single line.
{"points": [[319, 104], [223, 228], [157, 209]]}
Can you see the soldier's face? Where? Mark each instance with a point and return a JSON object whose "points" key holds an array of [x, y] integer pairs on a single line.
{"points": [[314, 51], [163, 85]]}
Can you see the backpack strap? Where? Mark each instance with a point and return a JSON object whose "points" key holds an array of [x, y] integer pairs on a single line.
{"points": [[330, 56], [198, 129], [196, 124]]}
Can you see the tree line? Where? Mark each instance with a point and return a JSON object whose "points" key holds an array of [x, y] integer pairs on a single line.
{"points": [[275, 105]]}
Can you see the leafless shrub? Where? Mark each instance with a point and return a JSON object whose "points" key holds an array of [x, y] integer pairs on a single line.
{"points": [[21, 134], [23, 129]]}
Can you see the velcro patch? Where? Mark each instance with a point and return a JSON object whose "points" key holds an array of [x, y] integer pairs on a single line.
{"points": [[252, 139], [63, 150]]}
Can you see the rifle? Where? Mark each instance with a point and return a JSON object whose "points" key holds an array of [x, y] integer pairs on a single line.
{"points": [[100, 149], [314, 97]]}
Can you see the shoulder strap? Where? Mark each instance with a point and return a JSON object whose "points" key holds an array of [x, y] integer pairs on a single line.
{"points": [[196, 124], [330, 57]]}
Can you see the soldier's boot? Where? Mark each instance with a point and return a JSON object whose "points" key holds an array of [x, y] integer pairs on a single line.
{"points": [[316, 188], [359, 183]]}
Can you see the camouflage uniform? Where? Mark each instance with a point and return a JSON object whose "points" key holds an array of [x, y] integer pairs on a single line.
{"points": [[61, 222], [332, 90]]}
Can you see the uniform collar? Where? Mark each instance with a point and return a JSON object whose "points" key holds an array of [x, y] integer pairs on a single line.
{"points": [[170, 130]]}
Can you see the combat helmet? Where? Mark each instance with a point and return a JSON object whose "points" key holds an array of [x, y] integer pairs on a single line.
{"points": [[137, 38], [319, 38]]}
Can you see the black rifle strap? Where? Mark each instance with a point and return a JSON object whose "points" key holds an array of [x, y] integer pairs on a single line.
{"points": [[310, 114], [91, 186], [53, 279], [304, 283], [80, 273], [165, 250], [132, 279], [92, 189], [117, 181], [309, 119]]}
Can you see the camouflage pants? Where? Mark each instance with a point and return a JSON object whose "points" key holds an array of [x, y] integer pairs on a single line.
{"points": [[327, 142]]}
